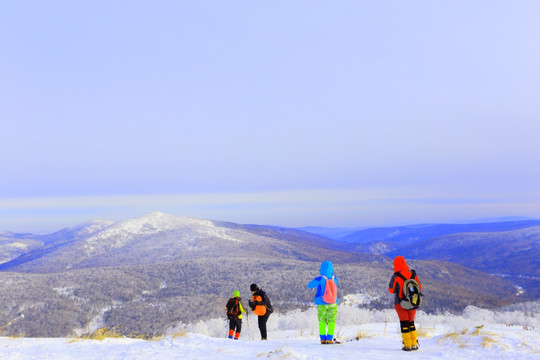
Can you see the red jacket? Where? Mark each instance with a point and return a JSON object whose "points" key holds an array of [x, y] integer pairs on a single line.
{"points": [[396, 283]]}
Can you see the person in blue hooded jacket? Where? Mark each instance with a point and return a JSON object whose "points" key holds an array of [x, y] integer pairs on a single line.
{"points": [[326, 300]]}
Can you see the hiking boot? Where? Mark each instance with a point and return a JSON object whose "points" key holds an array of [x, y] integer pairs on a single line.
{"points": [[406, 348], [414, 347], [323, 342]]}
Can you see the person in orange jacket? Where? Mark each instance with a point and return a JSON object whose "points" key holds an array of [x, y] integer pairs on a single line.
{"points": [[406, 317], [261, 306]]}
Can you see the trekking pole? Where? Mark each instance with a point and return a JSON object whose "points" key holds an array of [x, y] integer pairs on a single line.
{"points": [[11, 321], [249, 332], [227, 328]]}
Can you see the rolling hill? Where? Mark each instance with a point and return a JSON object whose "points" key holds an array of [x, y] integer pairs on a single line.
{"points": [[510, 249], [386, 240], [148, 274]]}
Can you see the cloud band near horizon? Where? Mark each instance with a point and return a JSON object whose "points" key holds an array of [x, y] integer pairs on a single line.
{"points": [[291, 208]]}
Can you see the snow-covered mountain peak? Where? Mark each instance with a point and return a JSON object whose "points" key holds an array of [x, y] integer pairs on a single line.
{"points": [[186, 229], [90, 228], [158, 222], [153, 223]]}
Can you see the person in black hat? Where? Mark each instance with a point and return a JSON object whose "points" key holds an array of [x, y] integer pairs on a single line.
{"points": [[261, 306]]}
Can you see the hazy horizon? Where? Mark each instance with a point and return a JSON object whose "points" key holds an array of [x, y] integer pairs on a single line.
{"points": [[48, 227]]}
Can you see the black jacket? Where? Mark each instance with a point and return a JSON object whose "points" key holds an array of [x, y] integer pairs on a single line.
{"points": [[265, 301]]}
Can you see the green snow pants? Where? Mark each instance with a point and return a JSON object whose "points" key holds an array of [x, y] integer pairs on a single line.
{"points": [[327, 315]]}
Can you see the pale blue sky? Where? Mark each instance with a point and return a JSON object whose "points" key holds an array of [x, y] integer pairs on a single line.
{"points": [[346, 113]]}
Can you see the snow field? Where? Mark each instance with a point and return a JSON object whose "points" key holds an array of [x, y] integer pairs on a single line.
{"points": [[473, 335]]}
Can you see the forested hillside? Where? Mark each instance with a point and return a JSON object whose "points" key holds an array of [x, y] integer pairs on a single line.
{"points": [[148, 274]]}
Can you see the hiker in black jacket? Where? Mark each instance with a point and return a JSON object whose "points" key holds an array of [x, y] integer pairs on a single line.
{"points": [[260, 304]]}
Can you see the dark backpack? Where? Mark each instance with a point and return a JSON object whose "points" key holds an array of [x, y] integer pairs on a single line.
{"points": [[267, 303], [411, 291], [233, 310]]}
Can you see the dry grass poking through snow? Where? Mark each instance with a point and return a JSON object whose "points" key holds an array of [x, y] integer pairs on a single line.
{"points": [[468, 339]]}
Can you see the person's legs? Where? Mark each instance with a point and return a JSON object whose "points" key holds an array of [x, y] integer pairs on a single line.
{"points": [[262, 325], [404, 325], [331, 318], [412, 330], [322, 316], [235, 325], [238, 328], [322, 331], [231, 328]]}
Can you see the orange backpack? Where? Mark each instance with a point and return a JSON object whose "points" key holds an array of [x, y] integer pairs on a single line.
{"points": [[260, 310], [330, 291]]}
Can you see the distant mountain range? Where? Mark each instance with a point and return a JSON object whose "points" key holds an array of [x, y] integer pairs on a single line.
{"points": [[508, 248], [334, 233], [402, 236], [150, 273], [158, 238]]}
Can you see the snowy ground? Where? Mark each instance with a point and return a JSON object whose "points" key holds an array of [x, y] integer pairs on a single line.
{"points": [[441, 337]]}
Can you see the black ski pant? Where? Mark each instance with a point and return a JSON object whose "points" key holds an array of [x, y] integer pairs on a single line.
{"points": [[235, 324], [262, 325]]}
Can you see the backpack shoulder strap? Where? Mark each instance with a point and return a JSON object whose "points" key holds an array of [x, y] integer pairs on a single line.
{"points": [[400, 275], [413, 274]]}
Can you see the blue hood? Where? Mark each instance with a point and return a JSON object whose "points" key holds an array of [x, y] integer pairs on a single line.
{"points": [[327, 269]]}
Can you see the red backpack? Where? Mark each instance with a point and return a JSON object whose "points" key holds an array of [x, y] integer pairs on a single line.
{"points": [[330, 291]]}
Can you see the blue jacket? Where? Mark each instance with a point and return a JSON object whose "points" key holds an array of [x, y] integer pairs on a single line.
{"points": [[327, 269]]}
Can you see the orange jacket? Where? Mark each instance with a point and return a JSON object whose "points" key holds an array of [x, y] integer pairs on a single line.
{"points": [[259, 309]]}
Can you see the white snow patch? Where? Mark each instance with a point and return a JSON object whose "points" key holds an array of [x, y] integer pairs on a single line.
{"points": [[123, 232], [18, 245], [376, 341], [357, 299], [64, 291], [476, 334]]}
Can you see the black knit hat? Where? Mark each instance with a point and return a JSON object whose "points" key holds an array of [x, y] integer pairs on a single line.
{"points": [[254, 287]]}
